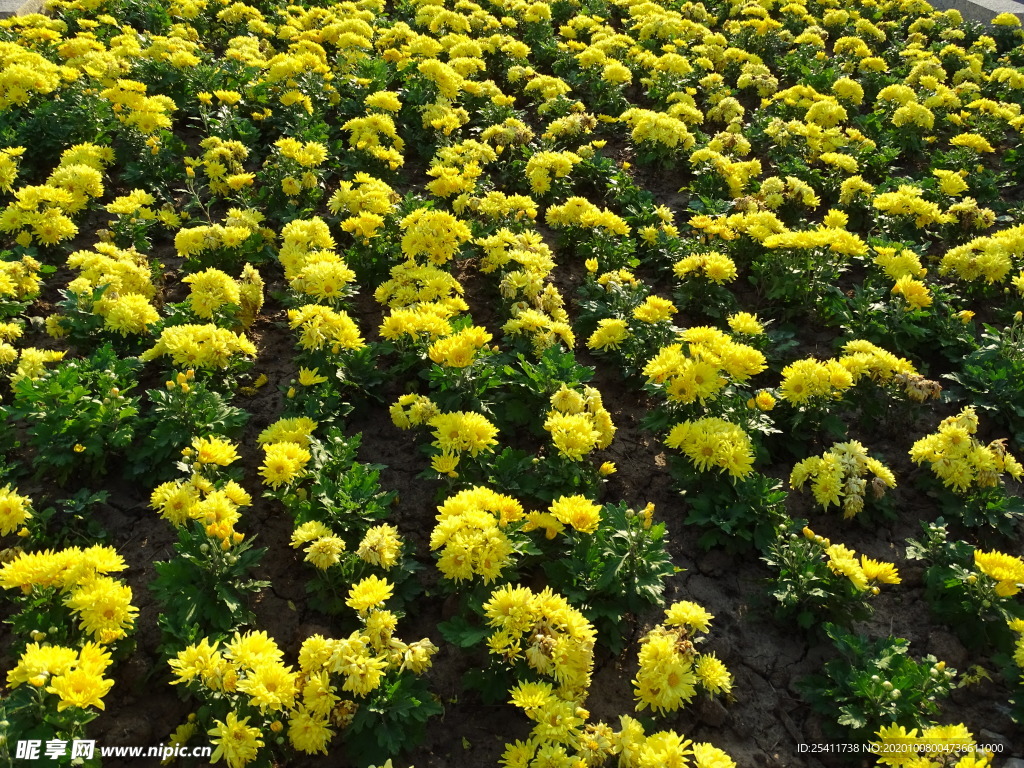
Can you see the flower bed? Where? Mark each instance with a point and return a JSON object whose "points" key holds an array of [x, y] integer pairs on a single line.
{"points": [[465, 384]]}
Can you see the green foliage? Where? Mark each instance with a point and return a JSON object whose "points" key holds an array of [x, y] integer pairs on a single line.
{"points": [[532, 478], [959, 594], [617, 299], [148, 15], [47, 126], [393, 719], [339, 491], [993, 507], [42, 611], [804, 279], [736, 515], [78, 416], [205, 589], [463, 633], [871, 312], [618, 570], [69, 522], [875, 683], [527, 386], [471, 388], [325, 402], [805, 586], [345, 495], [86, 330], [30, 713], [176, 414], [992, 377]]}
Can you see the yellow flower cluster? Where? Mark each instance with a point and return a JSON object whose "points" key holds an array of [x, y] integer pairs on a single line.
{"points": [[309, 243], [563, 737], [654, 309], [210, 290], [580, 212], [377, 135], [897, 264], [839, 477], [101, 603], [222, 162], [937, 746], [366, 200], [538, 308], [670, 667], [987, 258], [308, 154], [42, 214], [238, 227], [284, 463], [215, 505], [866, 360], [713, 442], [411, 284], [249, 669], [200, 346], [31, 361], [74, 676], [915, 294], [554, 638], [864, 574], [577, 512], [701, 371], [715, 266], [9, 332], [125, 304], [147, 114], [449, 181], [959, 460], [322, 546], [429, 319], [498, 206], [1006, 570], [15, 510], [1017, 625], [659, 128], [834, 239], [579, 423], [908, 201], [19, 280], [462, 432], [737, 174], [412, 411], [542, 167], [438, 235], [381, 546], [135, 205], [321, 327], [324, 277], [293, 164], [25, 74], [471, 534], [745, 323], [809, 379], [461, 348], [295, 430]]}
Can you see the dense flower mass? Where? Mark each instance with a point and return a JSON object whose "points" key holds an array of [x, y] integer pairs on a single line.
{"points": [[713, 443], [839, 477], [507, 249], [471, 534], [959, 460]]}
